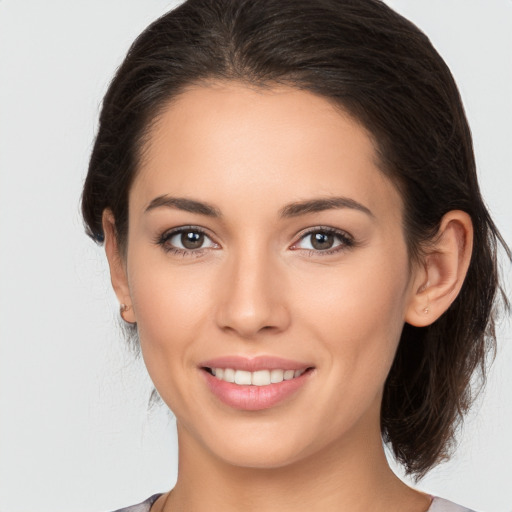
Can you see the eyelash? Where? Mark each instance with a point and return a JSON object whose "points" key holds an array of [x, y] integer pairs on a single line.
{"points": [[347, 241], [163, 239]]}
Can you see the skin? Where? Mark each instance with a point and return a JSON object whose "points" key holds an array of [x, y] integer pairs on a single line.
{"points": [[257, 287]]}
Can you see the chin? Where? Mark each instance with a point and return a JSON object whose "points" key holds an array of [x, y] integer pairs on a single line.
{"points": [[253, 446], [257, 457]]}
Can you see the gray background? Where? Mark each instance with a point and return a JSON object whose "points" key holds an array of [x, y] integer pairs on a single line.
{"points": [[75, 433]]}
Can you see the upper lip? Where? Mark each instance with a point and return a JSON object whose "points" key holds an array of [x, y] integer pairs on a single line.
{"points": [[252, 364]]}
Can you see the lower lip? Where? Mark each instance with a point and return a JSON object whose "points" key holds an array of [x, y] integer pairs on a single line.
{"points": [[254, 398]]}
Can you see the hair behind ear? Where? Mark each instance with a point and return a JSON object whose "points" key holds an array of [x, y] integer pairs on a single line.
{"points": [[430, 386]]}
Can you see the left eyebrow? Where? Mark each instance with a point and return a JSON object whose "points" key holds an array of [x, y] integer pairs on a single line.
{"points": [[185, 204], [321, 204]]}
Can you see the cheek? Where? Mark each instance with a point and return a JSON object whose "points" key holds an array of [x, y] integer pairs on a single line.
{"points": [[356, 317], [358, 312], [171, 308]]}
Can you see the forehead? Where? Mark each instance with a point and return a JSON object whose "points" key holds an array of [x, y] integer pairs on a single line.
{"points": [[219, 138]]}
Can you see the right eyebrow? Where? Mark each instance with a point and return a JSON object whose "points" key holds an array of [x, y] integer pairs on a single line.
{"points": [[321, 204], [182, 203]]}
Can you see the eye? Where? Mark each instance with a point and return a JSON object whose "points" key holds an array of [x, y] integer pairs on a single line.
{"points": [[324, 240], [186, 240]]}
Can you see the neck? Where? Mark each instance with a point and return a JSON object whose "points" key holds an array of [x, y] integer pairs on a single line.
{"points": [[340, 477]]}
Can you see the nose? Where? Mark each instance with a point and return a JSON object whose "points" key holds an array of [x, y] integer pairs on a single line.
{"points": [[253, 296]]}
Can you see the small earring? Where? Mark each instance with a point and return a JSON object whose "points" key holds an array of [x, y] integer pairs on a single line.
{"points": [[426, 311]]}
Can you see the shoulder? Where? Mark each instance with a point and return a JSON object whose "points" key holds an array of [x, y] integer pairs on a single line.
{"points": [[441, 505], [141, 507]]}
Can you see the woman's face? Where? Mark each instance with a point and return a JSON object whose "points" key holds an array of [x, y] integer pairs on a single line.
{"points": [[265, 244]]}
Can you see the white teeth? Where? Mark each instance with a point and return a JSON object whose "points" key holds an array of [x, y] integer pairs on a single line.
{"points": [[229, 375], [260, 378], [288, 374], [242, 377], [257, 378], [276, 376]]}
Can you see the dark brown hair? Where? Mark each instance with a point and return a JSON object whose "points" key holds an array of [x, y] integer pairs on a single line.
{"points": [[384, 71]]}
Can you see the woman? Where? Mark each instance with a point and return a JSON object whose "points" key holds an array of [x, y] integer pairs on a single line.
{"points": [[288, 200]]}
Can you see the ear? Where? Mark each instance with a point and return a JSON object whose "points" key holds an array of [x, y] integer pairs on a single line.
{"points": [[117, 266], [440, 277]]}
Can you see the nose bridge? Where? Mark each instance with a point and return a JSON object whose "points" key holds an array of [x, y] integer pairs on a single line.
{"points": [[253, 296]]}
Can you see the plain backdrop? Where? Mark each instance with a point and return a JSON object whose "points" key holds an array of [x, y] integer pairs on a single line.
{"points": [[75, 430]]}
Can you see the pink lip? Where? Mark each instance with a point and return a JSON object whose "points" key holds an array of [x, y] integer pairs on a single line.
{"points": [[254, 398], [254, 364]]}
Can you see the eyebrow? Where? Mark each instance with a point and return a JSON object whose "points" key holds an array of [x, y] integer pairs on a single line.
{"points": [[291, 210], [182, 203], [321, 204]]}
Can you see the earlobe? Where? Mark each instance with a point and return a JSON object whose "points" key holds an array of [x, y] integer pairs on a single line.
{"points": [[445, 265], [118, 275]]}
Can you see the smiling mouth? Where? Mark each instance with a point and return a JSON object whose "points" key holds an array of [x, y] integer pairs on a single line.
{"points": [[256, 378]]}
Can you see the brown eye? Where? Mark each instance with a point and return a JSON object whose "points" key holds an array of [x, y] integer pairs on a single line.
{"points": [[192, 239], [322, 241], [185, 240]]}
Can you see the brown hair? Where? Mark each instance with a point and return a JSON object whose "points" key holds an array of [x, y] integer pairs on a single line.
{"points": [[385, 72]]}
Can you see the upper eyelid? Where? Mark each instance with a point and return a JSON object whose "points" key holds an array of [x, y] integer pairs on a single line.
{"points": [[181, 229], [328, 229]]}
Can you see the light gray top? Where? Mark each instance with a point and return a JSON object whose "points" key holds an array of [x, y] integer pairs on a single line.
{"points": [[438, 505]]}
